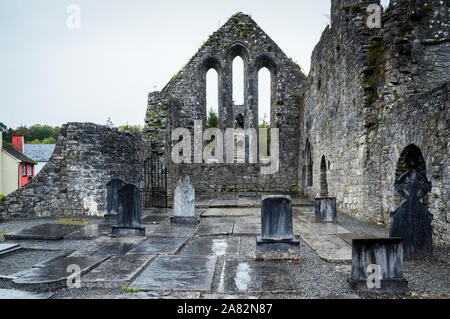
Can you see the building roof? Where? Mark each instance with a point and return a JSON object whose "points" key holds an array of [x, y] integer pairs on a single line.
{"points": [[39, 152], [11, 150]]}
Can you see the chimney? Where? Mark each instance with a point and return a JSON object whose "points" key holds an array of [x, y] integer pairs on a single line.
{"points": [[18, 142]]}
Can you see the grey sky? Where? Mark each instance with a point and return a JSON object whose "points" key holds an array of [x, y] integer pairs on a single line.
{"points": [[50, 74]]}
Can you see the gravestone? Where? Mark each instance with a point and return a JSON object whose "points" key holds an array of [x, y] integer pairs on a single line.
{"points": [[412, 220], [277, 239], [377, 265], [325, 209], [129, 214], [112, 199], [184, 203]]}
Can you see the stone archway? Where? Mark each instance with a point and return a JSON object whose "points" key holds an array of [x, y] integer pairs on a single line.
{"points": [[411, 158]]}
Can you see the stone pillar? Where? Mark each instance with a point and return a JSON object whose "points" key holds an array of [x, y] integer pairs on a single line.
{"points": [[277, 239], [184, 203], [129, 214], [112, 200], [377, 265]]}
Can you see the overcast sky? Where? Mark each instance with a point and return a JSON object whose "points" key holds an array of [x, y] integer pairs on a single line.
{"points": [[53, 74]]}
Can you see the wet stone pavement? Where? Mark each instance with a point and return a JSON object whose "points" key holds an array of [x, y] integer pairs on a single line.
{"points": [[214, 259]]}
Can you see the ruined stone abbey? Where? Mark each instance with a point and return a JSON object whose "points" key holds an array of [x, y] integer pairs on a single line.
{"points": [[374, 104]]}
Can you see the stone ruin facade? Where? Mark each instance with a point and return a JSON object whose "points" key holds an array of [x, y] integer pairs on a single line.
{"points": [[375, 104]]}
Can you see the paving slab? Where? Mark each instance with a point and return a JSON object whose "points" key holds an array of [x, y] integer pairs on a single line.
{"points": [[214, 247], [8, 248], [19, 294], [43, 232], [116, 271], [161, 295], [108, 246], [302, 226], [159, 245], [231, 212], [224, 203], [154, 219], [171, 230], [252, 276], [54, 274], [117, 248], [90, 231], [247, 229], [215, 229], [329, 247], [180, 273]]}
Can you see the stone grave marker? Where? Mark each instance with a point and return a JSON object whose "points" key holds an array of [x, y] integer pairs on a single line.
{"points": [[277, 239], [112, 199], [377, 265], [325, 209], [129, 214], [184, 203], [412, 220]]}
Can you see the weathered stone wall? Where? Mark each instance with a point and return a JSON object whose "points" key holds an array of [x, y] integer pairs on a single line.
{"points": [[73, 182], [371, 93], [183, 100]]}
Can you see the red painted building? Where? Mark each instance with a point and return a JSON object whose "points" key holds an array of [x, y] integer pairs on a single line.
{"points": [[26, 167]]}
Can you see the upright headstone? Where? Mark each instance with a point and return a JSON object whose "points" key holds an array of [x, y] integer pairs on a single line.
{"points": [[112, 199], [129, 214], [184, 203], [412, 220], [325, 209], [377, 265], [277, 239]]}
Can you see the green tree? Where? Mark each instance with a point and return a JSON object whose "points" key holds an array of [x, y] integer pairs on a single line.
{"points": [[212, 120], [131, 128]]}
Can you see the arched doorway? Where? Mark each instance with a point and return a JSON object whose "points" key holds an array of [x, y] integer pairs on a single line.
{"points": [[410, 159]]}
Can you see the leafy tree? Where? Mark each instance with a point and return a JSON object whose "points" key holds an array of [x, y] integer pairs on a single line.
{"points": [[212, 120], [131, 128]]}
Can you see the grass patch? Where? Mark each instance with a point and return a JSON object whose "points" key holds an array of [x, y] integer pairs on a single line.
{"points": [[128, 289]]}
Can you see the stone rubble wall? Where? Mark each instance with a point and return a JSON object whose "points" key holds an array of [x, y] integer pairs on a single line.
{"points": [[371, 93], [73, 182]]}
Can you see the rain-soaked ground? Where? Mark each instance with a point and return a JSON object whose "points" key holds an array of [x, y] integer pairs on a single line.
{"points": [[214, 259]]}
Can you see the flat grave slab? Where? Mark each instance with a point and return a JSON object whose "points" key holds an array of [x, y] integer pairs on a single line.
{"points": [[247, 276], [8, 248], [320, 229], [215, 229], [302, 202], [182, 273], [116, 271], [54, 274], [90, 231], [224, 203], [154, 219], [329, 247], [171, 230], [214, 247], [43, 232], [118, 248], [247, 228], [231, 212], [19, 294], [105, 245], [159, 245]]}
